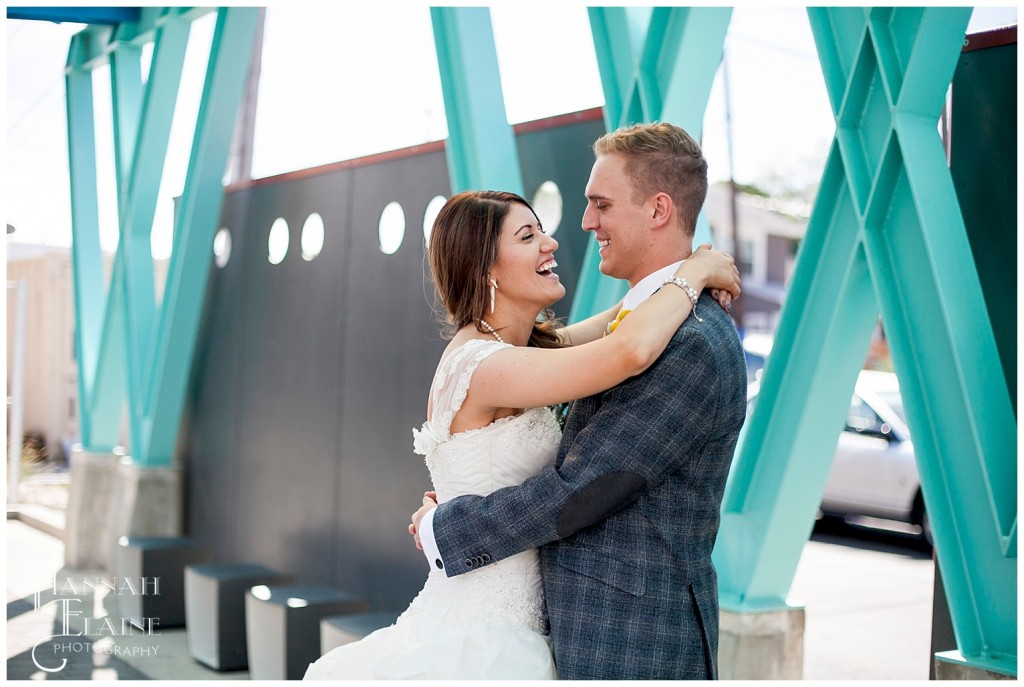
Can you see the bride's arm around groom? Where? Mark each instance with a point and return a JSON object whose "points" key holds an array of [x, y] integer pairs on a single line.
{"points": [[627, 516]]}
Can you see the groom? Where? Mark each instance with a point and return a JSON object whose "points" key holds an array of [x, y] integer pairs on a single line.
{"points": [[627, 516]]}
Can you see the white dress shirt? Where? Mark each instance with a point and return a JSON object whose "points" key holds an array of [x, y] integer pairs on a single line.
{"points": [[646, 287]]}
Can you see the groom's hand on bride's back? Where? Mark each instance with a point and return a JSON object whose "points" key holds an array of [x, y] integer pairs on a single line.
{"points": [[429, 502]]}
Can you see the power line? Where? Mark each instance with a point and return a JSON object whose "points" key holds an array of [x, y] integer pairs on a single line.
{"points": [[774, 47], [37, 123], [34, 105], [18, 28]]}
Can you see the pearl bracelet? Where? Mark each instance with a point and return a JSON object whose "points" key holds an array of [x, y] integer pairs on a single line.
{"points": [[688, 290]]}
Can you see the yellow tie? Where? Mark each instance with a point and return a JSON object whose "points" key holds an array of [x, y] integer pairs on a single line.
{"points": [[615, 323]]}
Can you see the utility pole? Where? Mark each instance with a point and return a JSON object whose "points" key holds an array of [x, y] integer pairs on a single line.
{"points": [[240, 157], [737, 306], [16, 402]]}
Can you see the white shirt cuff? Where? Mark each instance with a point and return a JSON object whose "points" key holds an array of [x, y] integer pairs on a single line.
{"points": [[430, 550]]}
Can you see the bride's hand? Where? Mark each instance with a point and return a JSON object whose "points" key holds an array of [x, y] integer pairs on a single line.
{"points": [[429, 502], [720, 273], [724, 299]]}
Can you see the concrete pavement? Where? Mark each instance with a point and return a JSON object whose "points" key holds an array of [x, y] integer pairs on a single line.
{"points": [[868, 601], [34, 558]]}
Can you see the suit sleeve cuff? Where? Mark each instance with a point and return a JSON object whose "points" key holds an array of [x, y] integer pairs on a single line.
{"points": [[430, 549]]}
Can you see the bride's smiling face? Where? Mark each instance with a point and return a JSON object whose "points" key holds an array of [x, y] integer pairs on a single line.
{"points": [[524, 268]]}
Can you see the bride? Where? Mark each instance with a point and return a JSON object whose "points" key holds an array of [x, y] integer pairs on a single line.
{"points": [[491, 424]]}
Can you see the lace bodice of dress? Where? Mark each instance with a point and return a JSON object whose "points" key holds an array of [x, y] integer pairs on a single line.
{"points": [[479, 461]]}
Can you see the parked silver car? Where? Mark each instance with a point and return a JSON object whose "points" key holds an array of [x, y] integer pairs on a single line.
{"points": [[874, 472]]}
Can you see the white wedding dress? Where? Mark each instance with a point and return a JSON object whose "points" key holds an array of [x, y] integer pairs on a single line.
{"points": [[485, 624]]}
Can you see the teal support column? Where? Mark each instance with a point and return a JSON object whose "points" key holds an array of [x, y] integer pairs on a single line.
{"points": [[784, 455], [126, 343], [110, 392], [126, 96], [655, 65], [86, 258], [138, 208], [945, 353], [619, 34], [887, 236], [99, 318], [194, 229], [481, 148]]}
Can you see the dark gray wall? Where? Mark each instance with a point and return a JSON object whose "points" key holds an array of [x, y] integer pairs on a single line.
{"points": [[310, 375], [563, 155]]}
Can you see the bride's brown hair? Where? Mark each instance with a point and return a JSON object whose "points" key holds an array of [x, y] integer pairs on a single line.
{"points": [[463, 247]]}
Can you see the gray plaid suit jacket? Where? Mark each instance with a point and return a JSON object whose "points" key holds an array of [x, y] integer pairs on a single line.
{"points": [[627, 517]]}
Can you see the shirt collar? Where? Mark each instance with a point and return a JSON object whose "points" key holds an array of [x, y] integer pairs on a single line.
{"points": [[646, 287]]}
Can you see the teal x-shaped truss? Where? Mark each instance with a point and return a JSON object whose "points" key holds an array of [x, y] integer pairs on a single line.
{"points": [[655, 64], [128, 345], [886, 235]]}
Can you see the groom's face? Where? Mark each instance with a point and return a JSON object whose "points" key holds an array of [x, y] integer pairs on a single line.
{"points": [[617, 221]]}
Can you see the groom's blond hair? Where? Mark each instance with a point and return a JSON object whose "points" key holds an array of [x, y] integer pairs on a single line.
{"points": [[662, 158]]}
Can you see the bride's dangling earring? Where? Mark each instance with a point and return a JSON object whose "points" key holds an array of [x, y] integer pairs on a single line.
{"points": [[494, 287]]}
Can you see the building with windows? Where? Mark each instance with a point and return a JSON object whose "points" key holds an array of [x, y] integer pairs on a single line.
{"points": [[769, 232], [51, 373]]}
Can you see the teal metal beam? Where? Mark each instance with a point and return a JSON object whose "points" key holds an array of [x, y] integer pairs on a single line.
{"points": [[195, 226], [108, 395], [618, 34], [102, 40], [138, 208], [100, 318], [126, 95], [86, 257], [78, 15], [944, 351], [86, 45], [962, 424], [678, 68], [481, 148], [887, 216], [785, 454], [655, 65], [686, 61], [129, 344]]}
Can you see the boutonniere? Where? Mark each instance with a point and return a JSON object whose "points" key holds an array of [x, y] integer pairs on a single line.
{"points": [[615, 323]]}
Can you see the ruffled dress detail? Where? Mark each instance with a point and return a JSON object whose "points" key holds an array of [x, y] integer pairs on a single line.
{"points": [[487, 624]]}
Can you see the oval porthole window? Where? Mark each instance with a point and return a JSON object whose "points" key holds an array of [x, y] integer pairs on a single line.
{"points": [[312, 241], [277, 244], [222, 247], [547, 202], [391, 229], [430, 214]]}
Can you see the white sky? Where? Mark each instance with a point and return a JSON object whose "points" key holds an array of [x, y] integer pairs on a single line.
{"points": [[319, 102]]}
